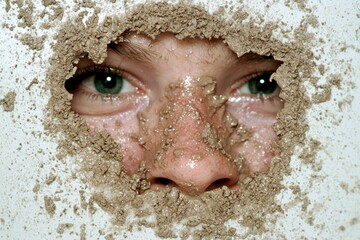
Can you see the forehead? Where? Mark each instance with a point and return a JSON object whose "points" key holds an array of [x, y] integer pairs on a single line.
{"points": [[205, 50], [166, 43]]}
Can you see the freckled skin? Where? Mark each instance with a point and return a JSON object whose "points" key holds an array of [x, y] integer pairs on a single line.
{"points": [[184, 115]]}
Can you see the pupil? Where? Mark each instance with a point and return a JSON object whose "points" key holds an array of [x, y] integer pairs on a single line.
{"points": [[109, 82], [263, 84]]}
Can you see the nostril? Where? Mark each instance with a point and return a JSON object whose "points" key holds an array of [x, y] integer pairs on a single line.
{"points": [[162, 181], [219, 183]]}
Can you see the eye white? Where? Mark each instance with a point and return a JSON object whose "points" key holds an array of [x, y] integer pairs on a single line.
{"points": [[244, 89]]}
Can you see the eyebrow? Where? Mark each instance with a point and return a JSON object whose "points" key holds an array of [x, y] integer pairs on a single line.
{"points": [[133, 51]]}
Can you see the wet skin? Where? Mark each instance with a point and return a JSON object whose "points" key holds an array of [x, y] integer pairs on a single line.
{"points": [[198, 116]]}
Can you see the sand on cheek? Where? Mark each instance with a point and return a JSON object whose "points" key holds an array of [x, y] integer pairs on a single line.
{"points": [[260, 144], [124, 129]]}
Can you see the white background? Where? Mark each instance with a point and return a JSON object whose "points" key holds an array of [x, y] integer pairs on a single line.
{"points": [[27, 155]]}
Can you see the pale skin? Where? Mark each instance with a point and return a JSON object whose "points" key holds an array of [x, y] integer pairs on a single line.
{"points": [[187, 109]]}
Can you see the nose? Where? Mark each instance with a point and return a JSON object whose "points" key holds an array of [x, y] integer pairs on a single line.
{"points": [[191, 158], [193, 172]]}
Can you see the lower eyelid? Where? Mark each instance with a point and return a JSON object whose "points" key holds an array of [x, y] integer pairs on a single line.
{"points": [[90, 95], [90, 104], [93, 95], [269, 107]]}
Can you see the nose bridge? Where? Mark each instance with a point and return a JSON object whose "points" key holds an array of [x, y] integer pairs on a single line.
{"points": [[190, 121], [190, 113], [194, 101], [190, 155]]}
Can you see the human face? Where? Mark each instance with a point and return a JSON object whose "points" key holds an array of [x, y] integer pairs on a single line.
{"points": [[196, 115]]}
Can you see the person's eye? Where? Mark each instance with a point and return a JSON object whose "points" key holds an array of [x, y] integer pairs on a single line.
{"points": [[107, 83], [260, 84], [100, 80], [99, 90]]}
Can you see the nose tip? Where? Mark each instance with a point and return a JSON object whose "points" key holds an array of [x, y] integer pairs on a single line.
{"points": [[194, 176]]}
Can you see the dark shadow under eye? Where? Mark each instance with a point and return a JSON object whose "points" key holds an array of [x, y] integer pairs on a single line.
{"points": [[261, 84]]}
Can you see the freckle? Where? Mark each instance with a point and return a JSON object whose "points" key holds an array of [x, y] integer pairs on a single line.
{"points": [[117, 124]]}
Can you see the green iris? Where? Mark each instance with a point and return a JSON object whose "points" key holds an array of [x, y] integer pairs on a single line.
{"points": [[108, 83], [262, 84]]}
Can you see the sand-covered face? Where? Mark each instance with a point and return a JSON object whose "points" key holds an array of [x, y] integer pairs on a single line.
{"points": [[194, 113]]}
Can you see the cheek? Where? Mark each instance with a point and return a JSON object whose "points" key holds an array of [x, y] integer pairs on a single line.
{"points": [[119, 119], [259, 150], [124, 129], [259, 117]]}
